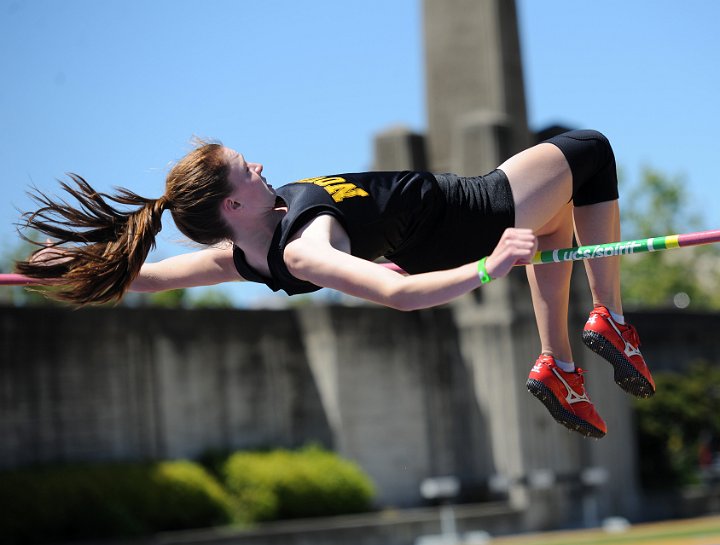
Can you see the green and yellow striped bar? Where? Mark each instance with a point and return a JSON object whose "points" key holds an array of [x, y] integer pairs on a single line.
{"points": [[549, 256], [652, 244]]}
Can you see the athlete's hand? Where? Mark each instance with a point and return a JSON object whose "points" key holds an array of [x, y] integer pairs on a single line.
{"points": [[516, 247]]}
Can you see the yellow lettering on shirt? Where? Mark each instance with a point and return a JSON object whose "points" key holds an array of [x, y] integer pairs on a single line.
{"points": [[338, 188]]}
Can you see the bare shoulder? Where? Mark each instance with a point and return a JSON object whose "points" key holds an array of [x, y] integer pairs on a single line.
{"points": [[222, 257]]}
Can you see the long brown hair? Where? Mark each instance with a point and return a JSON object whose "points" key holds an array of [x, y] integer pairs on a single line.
{"points": [[97, 248]]}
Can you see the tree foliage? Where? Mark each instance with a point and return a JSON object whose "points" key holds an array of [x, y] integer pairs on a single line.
{"points": [[184, 298], [690, 277], [679, 428]]}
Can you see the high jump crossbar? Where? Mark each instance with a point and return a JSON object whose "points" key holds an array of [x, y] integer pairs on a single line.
{"points": [[627, 247], [578, 253]]}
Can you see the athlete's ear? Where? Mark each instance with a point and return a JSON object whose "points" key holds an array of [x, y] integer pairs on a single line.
{"points": [[230, 204]]}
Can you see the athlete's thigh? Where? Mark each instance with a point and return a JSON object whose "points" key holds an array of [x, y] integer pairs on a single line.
{"points": [[541, 183]]}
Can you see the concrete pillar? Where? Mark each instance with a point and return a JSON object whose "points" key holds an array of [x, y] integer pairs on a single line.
{"points": [[371, 385], [398, 148], [397, 395], [473, 64], [500, 343], [481, 140]]}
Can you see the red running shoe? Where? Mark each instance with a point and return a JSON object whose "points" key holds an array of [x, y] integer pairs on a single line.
{"points": [[620, 345], [563, 394]]}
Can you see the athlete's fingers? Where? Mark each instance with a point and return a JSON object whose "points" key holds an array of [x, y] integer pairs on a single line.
{"points": [[515, 246]]}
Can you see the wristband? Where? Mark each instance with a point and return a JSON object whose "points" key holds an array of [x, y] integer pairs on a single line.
{"points": [[485, 277]]}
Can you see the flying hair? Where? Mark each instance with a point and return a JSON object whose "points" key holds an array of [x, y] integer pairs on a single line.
{"points": [[97, 248]]}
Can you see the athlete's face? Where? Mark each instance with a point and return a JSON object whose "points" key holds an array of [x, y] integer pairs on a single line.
{"points": [[251, 190]]}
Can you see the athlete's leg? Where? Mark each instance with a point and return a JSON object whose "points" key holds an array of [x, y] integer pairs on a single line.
{"points": [[597, 218], [580, 166], [541, 183], [597, 224], [605, 333], [550, 287]]}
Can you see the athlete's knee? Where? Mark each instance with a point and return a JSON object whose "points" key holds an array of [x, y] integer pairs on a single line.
{"points": [[592, 163]]}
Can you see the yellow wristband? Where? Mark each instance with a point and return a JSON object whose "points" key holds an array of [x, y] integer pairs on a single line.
{"points": [[485, 277]]}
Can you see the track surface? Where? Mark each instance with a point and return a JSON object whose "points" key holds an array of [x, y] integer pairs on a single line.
{"points": [[699, 531]]}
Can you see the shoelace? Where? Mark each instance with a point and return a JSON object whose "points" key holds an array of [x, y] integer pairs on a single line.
{"points": [[631, 335], [579, 380], [575, 378]]}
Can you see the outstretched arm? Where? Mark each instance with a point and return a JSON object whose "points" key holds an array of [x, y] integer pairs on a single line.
{"points": [[205, 267], [202, 268], [312, 257]]}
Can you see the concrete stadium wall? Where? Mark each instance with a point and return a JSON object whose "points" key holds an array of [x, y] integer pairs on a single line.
{"points": [[119, 384], [385, 388], [110, 384], [406, 395]]}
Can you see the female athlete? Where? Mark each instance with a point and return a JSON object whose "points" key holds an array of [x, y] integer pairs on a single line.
{"points": [[451, 234]]}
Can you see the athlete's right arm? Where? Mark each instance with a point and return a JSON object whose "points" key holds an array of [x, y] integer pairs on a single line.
{"points": [[202, 268]]}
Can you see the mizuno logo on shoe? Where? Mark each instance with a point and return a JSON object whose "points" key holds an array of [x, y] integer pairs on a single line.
{"points": [[536, 368], [572, 396], [631, 350]]}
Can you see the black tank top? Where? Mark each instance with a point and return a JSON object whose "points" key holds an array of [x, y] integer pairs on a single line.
{"points": [[420, 221], [382, 213]]}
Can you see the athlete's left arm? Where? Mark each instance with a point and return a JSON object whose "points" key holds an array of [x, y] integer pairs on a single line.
{"points": [[318, 254]]}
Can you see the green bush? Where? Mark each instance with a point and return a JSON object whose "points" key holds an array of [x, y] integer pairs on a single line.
{"points": [[54, 504], [285, 484], [674, 424], [113, 500]]}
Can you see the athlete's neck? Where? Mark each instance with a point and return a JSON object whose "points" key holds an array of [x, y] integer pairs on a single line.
{"points": [[254, 236]]}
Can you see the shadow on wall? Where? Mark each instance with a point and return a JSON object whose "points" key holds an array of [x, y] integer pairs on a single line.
{"points": [[132, 384]]}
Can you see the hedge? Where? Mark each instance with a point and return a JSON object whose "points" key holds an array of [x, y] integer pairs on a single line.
{"points": [[97, 501], [109, 500], [284, 484]]}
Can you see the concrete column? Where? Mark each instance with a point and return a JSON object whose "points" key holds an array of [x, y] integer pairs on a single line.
{"points": [[398, 148], [473, 64], [367, 368], [499, 341], [481, 140]]}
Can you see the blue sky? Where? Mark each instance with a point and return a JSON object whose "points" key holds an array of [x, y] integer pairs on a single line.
{"points": [[114, 90]]}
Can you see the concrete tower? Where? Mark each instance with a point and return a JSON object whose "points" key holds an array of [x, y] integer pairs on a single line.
{"points": [[476, 119], [475, 90]]}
